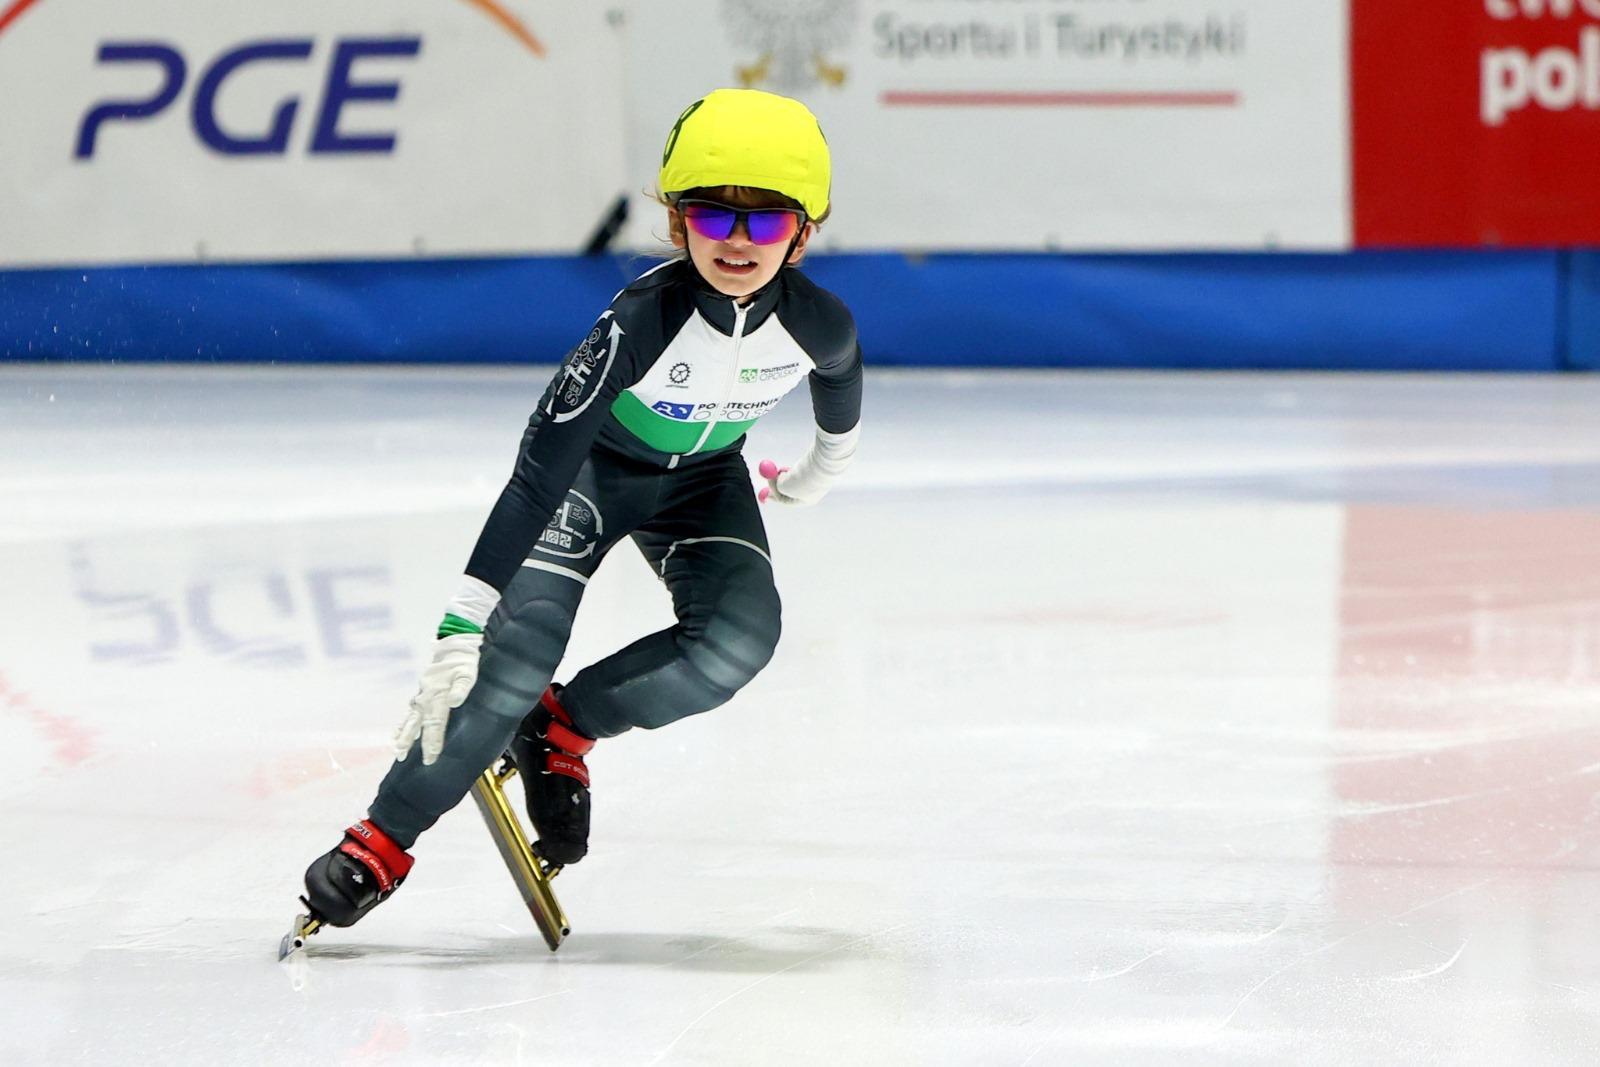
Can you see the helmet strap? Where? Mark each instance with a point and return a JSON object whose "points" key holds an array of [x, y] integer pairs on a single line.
{"points": [[794, 242]]}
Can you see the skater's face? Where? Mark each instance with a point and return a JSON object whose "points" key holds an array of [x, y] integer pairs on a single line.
{"points": [[729, 258]]}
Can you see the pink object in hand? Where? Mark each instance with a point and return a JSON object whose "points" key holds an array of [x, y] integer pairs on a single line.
{"points": [[769, 470]]}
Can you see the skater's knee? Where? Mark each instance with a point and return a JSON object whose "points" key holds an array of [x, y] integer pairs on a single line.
{"points": [[520, 654], [737, 636], [536, 628]]}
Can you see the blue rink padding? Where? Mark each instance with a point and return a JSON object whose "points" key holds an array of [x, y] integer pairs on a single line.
{"points": [[1370, 310], [1392, 310], [1583, 312], [493, 310]]}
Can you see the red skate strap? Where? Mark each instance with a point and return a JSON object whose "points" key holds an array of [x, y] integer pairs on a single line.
{"points": [[377, 850], [556, 763], [371, 863], [568, 739], [561, 732]]}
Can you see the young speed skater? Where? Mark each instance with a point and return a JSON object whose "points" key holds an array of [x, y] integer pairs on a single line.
{"points": [[638, 435]]}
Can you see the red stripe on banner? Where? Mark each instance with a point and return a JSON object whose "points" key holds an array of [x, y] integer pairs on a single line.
{"points": [[919, 98], [12, 13]]}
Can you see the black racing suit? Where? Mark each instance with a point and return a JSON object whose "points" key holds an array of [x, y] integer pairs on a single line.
{"points": [[639, 434]]}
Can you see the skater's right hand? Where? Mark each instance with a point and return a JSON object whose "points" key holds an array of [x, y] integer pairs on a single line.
{"points": [[445, 685]]}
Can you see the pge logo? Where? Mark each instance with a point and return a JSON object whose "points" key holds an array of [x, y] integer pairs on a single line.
{"points": [[340, 87]]}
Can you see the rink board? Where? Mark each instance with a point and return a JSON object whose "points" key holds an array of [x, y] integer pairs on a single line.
{"points": [[1397, 310]]}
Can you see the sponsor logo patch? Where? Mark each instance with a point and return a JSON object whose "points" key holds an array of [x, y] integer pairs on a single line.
{"points": [[579, 380], [681, 412], [768, 374], [578, 372], [574, 528]]}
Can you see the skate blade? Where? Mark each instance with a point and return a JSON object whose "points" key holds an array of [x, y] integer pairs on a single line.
{"points": [[531, 874], [295, 940]]}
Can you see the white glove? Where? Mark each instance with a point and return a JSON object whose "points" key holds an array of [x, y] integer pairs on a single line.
{"points": [[449, 678], [809, 480], [445, 685]]}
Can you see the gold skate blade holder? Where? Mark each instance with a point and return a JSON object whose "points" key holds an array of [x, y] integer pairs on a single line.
{"points": [[530, 873], [295, 940]]}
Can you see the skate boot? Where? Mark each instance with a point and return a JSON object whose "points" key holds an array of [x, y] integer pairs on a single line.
{"points": [[356, 877], [548, 753]]}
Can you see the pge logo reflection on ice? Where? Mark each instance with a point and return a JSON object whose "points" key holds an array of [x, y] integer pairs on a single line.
{"points": [[340, 86]]}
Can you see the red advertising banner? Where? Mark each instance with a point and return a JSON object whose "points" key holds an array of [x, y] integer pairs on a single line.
{"points": [[1476, 122]]}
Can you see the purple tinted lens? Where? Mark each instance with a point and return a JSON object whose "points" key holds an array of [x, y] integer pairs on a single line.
{"points": [[770, 227], [709, 221], [716, 222]]}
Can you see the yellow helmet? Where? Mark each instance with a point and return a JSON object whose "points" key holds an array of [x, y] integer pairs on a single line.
{"points": [[751, 138]]}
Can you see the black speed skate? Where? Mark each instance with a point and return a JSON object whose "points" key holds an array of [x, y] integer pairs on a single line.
{"points": [[346, 883], [548, 754]]}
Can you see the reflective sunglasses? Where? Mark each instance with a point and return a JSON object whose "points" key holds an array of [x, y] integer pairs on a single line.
{"points": [[765, 225]]}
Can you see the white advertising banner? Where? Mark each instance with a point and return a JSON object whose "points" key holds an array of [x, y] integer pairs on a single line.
{"points": [[187, 130], [1028, 124]]}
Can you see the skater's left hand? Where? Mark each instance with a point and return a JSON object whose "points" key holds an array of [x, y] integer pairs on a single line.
{"points": [[809, 480], [445, 685], [772, 472]]}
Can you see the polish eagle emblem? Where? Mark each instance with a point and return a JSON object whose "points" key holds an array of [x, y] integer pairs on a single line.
{"points": [[791, 41]]}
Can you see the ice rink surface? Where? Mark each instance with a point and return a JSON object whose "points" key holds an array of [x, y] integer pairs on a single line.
{"points": [[1118, 718]]}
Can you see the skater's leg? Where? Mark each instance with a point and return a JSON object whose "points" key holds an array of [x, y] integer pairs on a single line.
{"points": [[710, 547], [522, 645]]}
